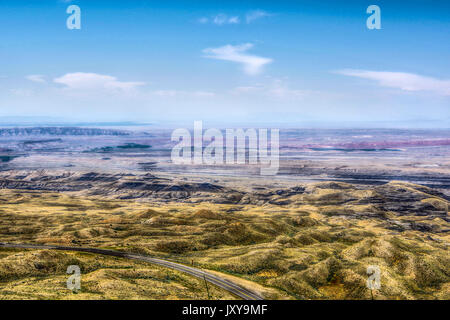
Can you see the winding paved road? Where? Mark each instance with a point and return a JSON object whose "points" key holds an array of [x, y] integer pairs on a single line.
{"points": [[216, 280]]}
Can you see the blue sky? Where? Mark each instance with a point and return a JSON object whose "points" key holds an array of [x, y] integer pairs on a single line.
{"points": [[229, 61]]}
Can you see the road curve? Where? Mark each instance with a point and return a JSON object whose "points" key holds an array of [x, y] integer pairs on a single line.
{"points": [[216, 280]]}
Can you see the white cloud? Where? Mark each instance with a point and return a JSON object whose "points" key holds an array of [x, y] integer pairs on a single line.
{"points": [[93, 85], [252, 64], [223, 19], [402, 80], [36, 78], [255, 15], [220, 19], [87, 81], [234, 20]]}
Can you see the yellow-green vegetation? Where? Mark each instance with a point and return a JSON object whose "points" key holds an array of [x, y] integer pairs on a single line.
{"points": [[41, 274], [311, 245]]}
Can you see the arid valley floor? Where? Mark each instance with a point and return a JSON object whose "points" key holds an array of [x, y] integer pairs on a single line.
{"points": [[342, 201]]}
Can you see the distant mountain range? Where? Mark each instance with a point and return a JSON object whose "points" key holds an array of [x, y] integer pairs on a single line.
{"points": [[59, 122], [61, 131]]}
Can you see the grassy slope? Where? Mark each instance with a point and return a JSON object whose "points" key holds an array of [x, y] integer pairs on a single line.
{"points": [[314, 247], [41, 274]]}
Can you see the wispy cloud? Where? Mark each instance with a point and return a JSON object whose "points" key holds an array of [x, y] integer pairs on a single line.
{"points": [[402, 80], [234, 20], [94, 85], [220, 19], [223, 19], [87, 81], [252, 64], [36, 78], [255, 15]]}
